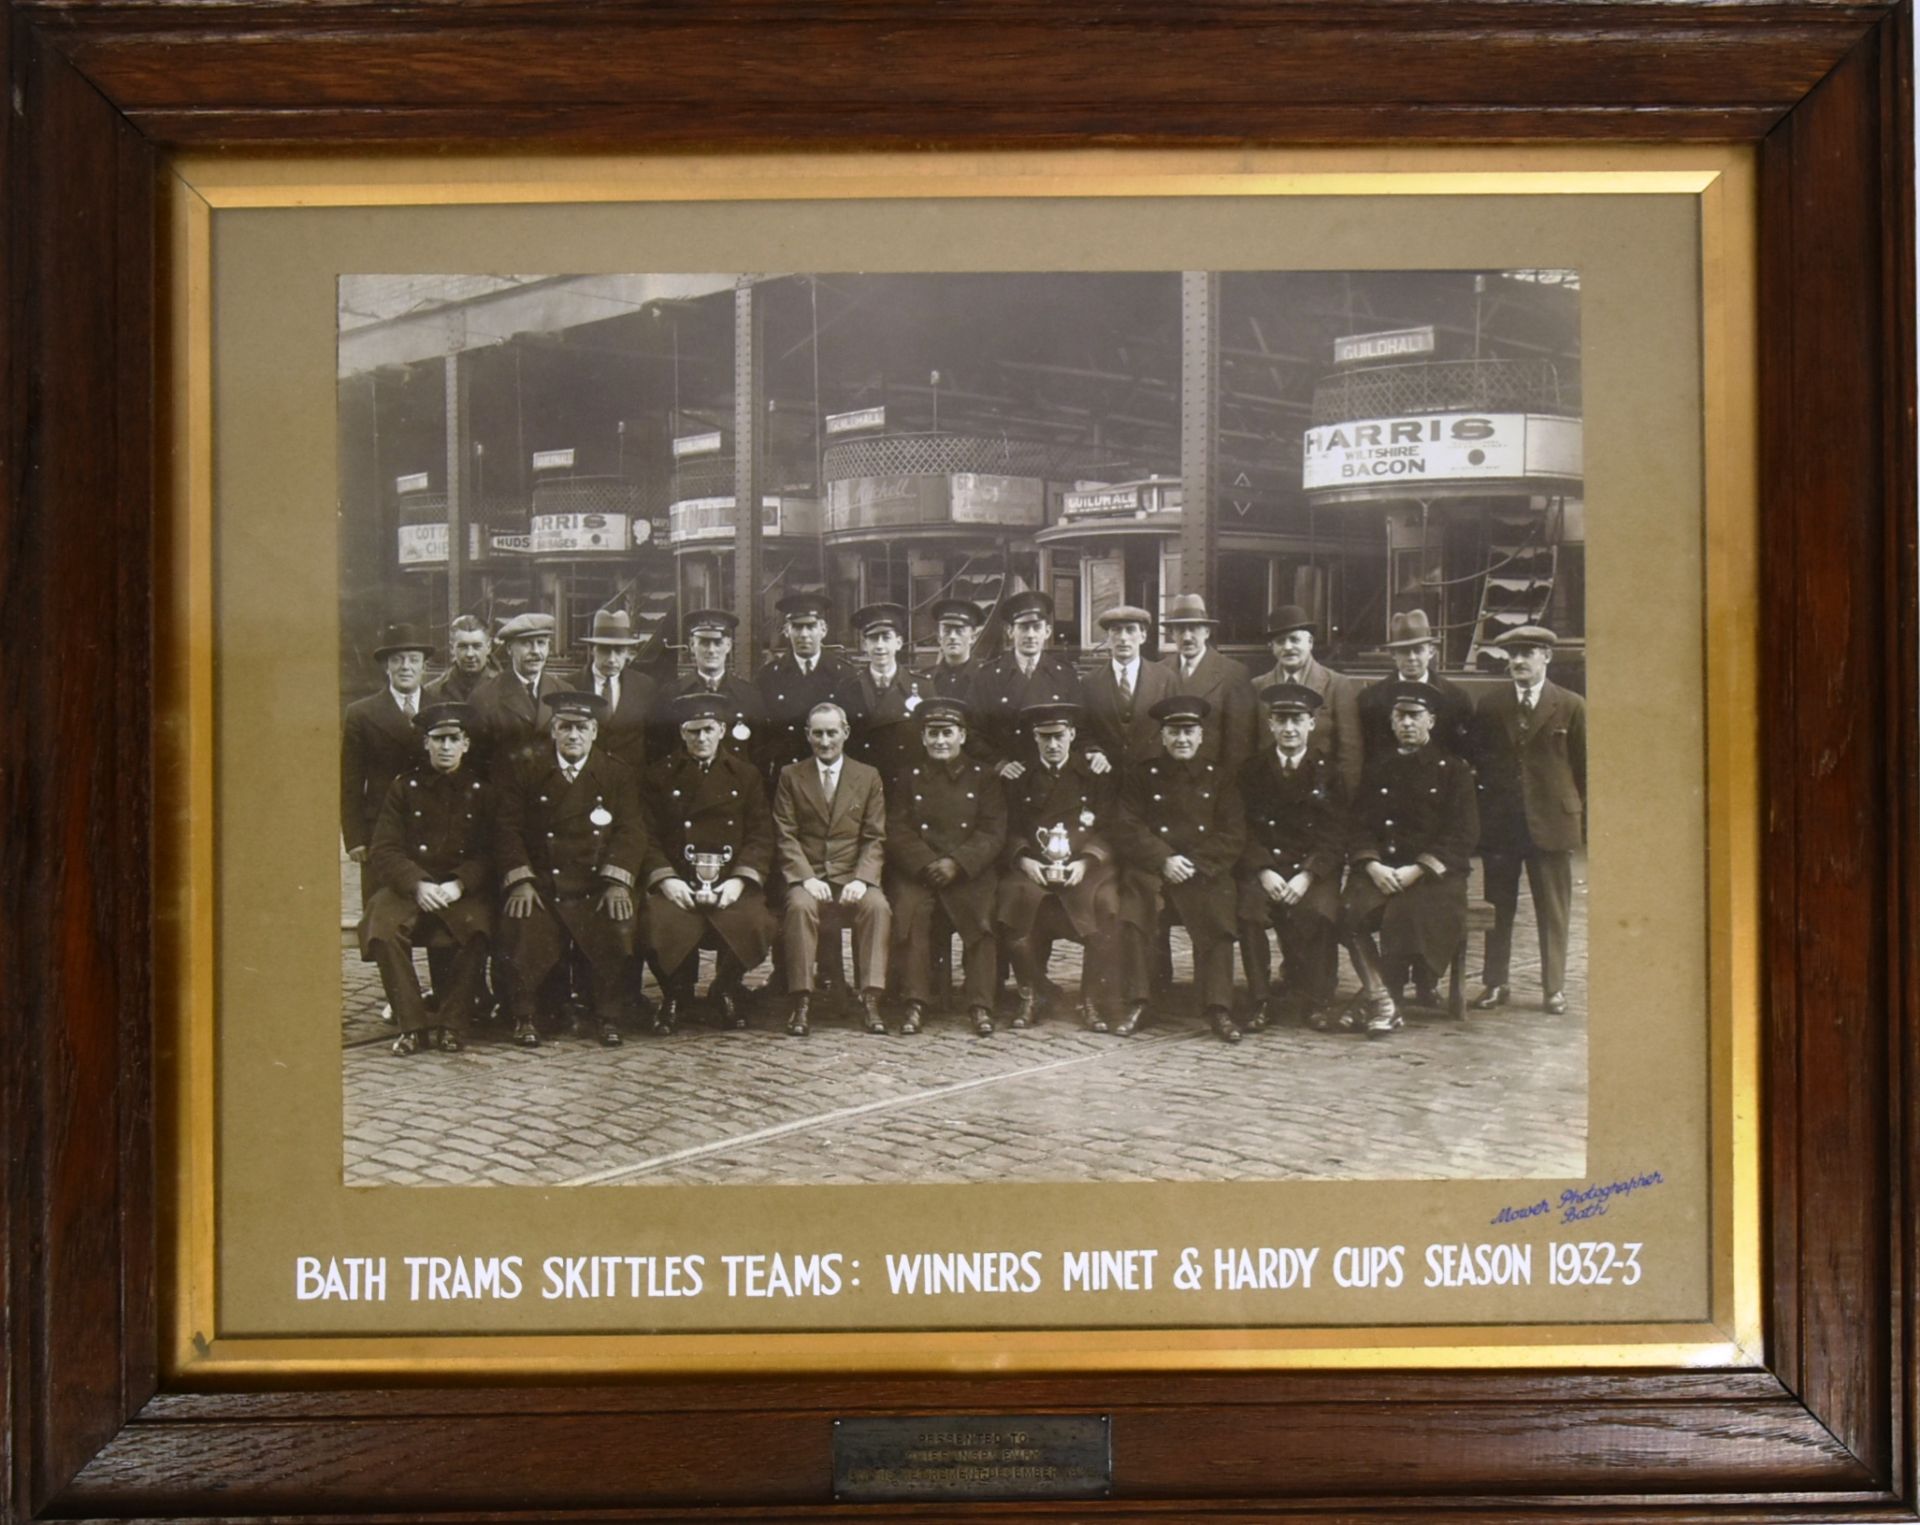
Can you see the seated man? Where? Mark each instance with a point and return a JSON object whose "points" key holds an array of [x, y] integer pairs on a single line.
{"points": [[572, 839], [946, 827], [830, 832], [712, 849], [1413, 829], [1180, 831], [431, 849], [1059, 875], [1290, 870]]}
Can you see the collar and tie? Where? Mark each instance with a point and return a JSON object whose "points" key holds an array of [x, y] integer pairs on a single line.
{"points": [[1124, 677], [571, 771], [1188, 667], [409, 705], [829, 779], [608, 688]]}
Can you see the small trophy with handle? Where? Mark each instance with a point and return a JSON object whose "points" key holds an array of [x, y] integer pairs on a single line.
{"points": [[1057, 848], [707, 871]]}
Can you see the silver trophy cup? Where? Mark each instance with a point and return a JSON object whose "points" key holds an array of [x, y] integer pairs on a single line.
{"points": [[707, 871], [1058, 851]]}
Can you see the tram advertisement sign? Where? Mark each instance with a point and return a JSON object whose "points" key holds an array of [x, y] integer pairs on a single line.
{"points": [[1441, 447]]}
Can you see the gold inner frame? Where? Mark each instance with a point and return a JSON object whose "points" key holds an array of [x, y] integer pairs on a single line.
{"points": [[1721, 180]]}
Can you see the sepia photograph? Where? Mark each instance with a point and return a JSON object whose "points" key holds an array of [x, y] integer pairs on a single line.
{"points": [[1138, 733]]}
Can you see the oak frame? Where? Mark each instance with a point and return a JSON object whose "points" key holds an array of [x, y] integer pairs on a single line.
{"points": [[104, 92]]}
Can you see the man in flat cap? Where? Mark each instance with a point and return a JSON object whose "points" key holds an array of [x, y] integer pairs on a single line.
{"points": [[629, 694], [709, 638], [378, 742], [956, 623], [1290, 870], [1202, 672], [1122, 691], [431, 868], [708, 859], [572, 840], [1412, 832], [470, 646], [1058, 879], [830, 834], [882, 697], [1026, 674], [1180, 830], [792, 682], [512, 710], [1531, 751], [1414, 649], [946, 829], [1336, 728]]}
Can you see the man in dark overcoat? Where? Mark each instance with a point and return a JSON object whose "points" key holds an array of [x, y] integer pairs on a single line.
{"points": [[946, 828], [709, 638], [956, 622], [572, 841], [378, 743], [1027, 674], [1290, 869], [707, 807], [629, 694], [513, 710], [1197, 669], [469, 647], [431, 865], [1414, 649], [792, 682], [1180, 830], [1412, 832], [1336, 729], [1531, 752]]}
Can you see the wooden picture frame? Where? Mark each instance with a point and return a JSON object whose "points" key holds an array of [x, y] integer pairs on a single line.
{"points": [[104, 94]]}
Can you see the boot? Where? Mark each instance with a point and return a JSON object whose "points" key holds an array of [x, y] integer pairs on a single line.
{"points": [[1028, 1014], [870, 1013], [797, 1014], [1221, 1021]]}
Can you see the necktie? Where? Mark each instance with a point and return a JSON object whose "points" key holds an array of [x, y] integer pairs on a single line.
{"points": [[406, 705], [1126, 684], [571, 773], [610, 691], [829, 782], [1187, 670]]}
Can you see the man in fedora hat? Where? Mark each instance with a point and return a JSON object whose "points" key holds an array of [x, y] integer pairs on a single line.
{"points": [[956, 623], [1530, 746], [470, 646], [1413, 828], [1122, 691], [431, 865], [1290, 870], [1336, 730], [378, 742], [629, 694], [709, 638], [512, 711], [1201, 672], [572, 841], [793, 681], [1414, 648], [1026, 674], [710, 852]]}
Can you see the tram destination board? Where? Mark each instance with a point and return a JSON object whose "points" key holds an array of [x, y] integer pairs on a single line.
{"points": [[971, 1456]]}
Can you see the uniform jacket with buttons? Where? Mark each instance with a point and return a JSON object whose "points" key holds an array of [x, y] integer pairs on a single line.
{"points": [[1081, 801], [1296, 821], [941, 810], [723, 807], [746, 720], [786, 695], [884, 722], [1533, 770], [1416, 807], [1001, 691], [1336, 728], [951, 682], [377, 745], [1229, 738], [1452, 726], [1189, 809], [434, 827], [573, 839]]}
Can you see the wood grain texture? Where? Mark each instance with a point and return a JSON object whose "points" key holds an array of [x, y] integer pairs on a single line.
{"points": [[102, 90]]}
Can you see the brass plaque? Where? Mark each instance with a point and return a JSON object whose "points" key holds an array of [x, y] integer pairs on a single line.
{"points": [[973, 1456]]}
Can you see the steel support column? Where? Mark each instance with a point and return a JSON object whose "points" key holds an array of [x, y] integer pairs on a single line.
{"points": [[1199, 429], [749, 469], [459, 478]]}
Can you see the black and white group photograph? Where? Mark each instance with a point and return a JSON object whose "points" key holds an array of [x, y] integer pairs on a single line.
{"points": [[1137, 733]]}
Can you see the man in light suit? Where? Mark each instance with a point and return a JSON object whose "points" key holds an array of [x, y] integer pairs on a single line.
{"points": [[830, 840], [1531, 751], [629, 694], [1122, 691], [1337, 731], [1201, 673], [512, 710]]}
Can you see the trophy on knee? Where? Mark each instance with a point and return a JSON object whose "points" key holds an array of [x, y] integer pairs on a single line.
{"points": [[707, 870], [1057, 850]]}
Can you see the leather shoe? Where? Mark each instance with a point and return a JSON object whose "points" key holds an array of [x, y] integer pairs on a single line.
{"points": [[1556, 1003], [1260, 1015], [1426, 995], [1029, 1013], [982, 1022], [447, 1040], [610, 1036], [1091, 1019], [915, 1015], [525, 1033], [1221, 1021], [1384, 1017], [666, 1017], [797, 1016], [409, 1042], [870, 1013], [727, 1004], [1492, 996], [1134, 1019]]}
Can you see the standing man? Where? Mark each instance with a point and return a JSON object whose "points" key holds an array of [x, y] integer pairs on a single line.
{"points": [[946, 827], [432, 848], [1059, 875], [1028, 674], [882, 698], [1201, 672], [1122, 691], [1413, 648], [709, 637], [793, 682], [1413, 829], [573, 838], [1180, 830], [1336, 731], [378, 743], [830, 831], [629, 695], [1532, 751], [957, 621], [706, 805], [471, 646], [513, 710], [1290, 870]]}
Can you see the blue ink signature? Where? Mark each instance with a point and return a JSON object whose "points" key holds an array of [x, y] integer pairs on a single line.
{"points": [[1576, 1203]]}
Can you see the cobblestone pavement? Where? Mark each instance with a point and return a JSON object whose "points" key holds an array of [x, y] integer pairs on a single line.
{"points": [[1500, 1095]]}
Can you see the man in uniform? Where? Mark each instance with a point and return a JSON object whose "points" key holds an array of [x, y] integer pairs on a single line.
{"points": [[1122, 691], [573, 837], [1028, 674], [1531, 749], [1336, 729], [513, 710], [946, 828], [1413, 648], [794, 681], [1180, 830], [1059, 877], [830, 833], [378, 743], [471, 646], [1290, 869], [1413, 829], [629, 694], [957, 621], [882, 698], [1200, 671], [709, 637], [706, 803], [432, 848]]}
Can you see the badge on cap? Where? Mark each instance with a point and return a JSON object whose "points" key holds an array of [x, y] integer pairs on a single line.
{"points": [[601, 816]]}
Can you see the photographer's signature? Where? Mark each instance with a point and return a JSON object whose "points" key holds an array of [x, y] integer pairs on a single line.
{"points": [[1577, 1202]]}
